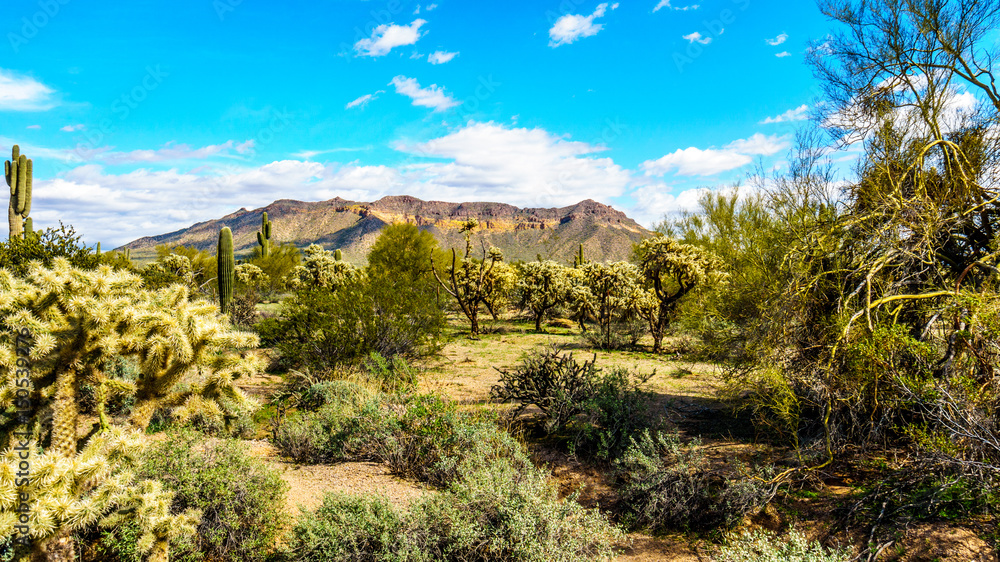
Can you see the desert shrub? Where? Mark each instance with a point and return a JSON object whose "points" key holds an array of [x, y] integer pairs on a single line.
{"points": [[324, 328], [552, 380], [392, 374], [600, 411], [618, 411], [495, 507], [762, 546], [240, 497], [278, 266], [347, 527], [680, 491], [115, 544], [17, 253]]}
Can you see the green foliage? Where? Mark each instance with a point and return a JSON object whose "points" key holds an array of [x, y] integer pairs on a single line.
{"points": [[613, 295], [204, 267], [541, 287], [671, 271], [762, 546], [403, 251], [241, 499], [16, 254], [226, 269], [279, 264], [495, 505], [552, 380], [668, 485], [322, 327]]}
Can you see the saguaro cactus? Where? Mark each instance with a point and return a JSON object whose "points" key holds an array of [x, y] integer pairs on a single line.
{"points": [[227, 269], [338, 255], [264, 236], [17, 172], [579, 260]]}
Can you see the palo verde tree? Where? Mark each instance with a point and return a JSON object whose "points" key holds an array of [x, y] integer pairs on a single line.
{"points": [[60, 329], [542, 286], [467, 277], [671, 270]]}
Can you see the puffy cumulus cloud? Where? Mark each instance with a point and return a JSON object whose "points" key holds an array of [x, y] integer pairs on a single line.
{"points": [[441, 57], [800, 113], [118, 208], [520, 166], [571, 27], [388, 36], [24, 93], [431, 96], [694, 161], [655, 201]]}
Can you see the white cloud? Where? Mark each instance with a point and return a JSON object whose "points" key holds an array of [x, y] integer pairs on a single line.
{"points": [[783, 54], [777, 40], [693, 161], [72, 128], [309, 154], [800, 113], [23, 93], [696, 36], [491, 162], [666, 4], [363, 100], [431, 96], [172, 152], [441, 57], [759, 145], [571, 27], [33, 127], [431, 7], [655, 200], [387, 36]]}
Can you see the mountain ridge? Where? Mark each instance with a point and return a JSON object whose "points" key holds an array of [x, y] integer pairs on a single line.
{"points": [[521, 232]]}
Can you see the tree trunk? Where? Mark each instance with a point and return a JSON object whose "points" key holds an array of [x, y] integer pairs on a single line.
{"points": [[538, 322], [57, 548]]}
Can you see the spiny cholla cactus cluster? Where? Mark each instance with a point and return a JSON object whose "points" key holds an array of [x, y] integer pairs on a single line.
{"points": [[542, 286], [79, 322], [320, 268], [97, 486]]}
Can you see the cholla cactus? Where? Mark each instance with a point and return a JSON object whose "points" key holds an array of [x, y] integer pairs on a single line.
{"points": [[79, 321], [498, 285], [611, 291], [96, 486], [250, 276], [178, 265], [321, 269], [543, 285], [467, 279], [671, 271]]}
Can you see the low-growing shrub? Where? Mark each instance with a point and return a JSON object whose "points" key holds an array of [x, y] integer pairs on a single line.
{"points": [[239, 496], [665, 484], [761, 546], [497, 506], [618, 411], [391, 374]]}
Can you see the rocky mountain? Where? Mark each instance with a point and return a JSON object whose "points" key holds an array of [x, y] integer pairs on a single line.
{"points": [[522, 234]]}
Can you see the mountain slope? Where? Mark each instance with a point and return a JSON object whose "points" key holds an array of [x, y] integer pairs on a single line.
{"points": [[522, 233]]}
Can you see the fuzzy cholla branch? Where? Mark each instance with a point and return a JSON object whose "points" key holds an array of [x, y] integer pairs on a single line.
{"points": [[97, 486], [320, 268], [73, 323]]}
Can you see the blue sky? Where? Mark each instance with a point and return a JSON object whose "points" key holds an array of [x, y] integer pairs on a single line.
{"points": [[145, 117]]}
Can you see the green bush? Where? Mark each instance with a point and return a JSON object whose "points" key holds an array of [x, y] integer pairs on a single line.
{"points": [[618, 411], [324, 328], [497, 506], [240, 497], [17, 253], [761, 546], [681, 492]]}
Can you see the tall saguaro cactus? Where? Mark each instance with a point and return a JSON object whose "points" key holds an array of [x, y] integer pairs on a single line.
{"points": [[17, 172], [227, 269], [264, 236]]}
